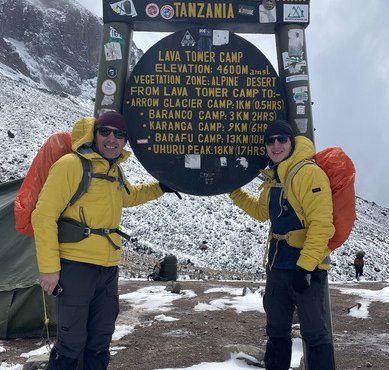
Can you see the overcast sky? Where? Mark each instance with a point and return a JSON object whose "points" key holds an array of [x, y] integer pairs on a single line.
{"points": [[348, 61]]}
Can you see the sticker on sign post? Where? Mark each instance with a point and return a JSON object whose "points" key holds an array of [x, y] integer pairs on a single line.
{"points": [[197, 104]]}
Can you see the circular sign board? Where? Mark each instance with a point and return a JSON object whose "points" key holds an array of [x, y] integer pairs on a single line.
{"points": [[197, 105]]}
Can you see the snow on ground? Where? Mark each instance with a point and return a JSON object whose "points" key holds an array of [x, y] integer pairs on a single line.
{"points": [[366, 296], [159, 301]]}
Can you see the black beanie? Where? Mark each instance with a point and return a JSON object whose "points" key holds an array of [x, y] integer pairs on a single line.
{"points": [[279, 127]]}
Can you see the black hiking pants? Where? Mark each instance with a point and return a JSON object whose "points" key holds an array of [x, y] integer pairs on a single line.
{"points": [[358, 271], [280, 301], [87, 311]]}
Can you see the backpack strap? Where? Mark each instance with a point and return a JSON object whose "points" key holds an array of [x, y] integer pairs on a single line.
{"points": [[87, 176], [122, 179], [80, 230], [83, 186], [288, 182], [294, 238], [105, 177], [267, 181], [85, 180]]}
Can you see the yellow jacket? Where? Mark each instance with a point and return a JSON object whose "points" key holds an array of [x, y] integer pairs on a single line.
{"points": [[102, 205], [313, 207]]}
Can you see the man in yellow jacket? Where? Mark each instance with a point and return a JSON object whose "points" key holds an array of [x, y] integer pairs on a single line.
{"points": [[301, 225], [86, 268]]}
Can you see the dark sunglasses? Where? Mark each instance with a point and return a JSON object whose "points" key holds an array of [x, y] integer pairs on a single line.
{"points": [[105, 131], [280, 139]]}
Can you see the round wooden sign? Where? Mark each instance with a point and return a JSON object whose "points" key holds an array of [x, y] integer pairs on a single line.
{"points": [[197, 105]]}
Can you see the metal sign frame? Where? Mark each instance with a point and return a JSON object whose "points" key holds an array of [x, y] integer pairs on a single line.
{"points": [[287, 19], [280, 17]]}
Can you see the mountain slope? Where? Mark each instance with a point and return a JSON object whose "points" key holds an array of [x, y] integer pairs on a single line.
{"points": [[55, 44], [209, 231]]}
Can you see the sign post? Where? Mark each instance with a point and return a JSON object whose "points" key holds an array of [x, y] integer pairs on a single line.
{"points": [[113, 67], [293, 70]]}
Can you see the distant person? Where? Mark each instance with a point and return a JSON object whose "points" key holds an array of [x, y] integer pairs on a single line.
{"points": [[87, 267], [297, 263], [358, 264]]}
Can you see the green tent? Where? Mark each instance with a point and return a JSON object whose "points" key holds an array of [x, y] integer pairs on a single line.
{"points": [[21, 301]]}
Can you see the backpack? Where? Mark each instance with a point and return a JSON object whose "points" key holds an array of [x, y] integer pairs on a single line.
{"points": [[56, 146], [358, 262], [341, 172], [165, 269]]}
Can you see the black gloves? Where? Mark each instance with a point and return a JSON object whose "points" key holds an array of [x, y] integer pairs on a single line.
{"points": [[166, 189], [301, 279]]}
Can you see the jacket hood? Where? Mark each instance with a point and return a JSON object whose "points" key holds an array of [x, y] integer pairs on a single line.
{"points": [[83, 137], [82, 133], [304, 149]]}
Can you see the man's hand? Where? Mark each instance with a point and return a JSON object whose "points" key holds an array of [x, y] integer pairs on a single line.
{"points": [[48, 281], [166, 189], [301, 280]]}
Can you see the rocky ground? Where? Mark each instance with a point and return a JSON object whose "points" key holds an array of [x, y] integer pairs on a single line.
{"points": [[360, 343], [212, 336]]}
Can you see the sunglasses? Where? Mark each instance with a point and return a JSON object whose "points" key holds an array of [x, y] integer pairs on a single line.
{"points": [[105, 131], [280, 139]]}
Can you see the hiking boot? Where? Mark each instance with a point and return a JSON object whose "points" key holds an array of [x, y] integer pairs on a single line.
{"points": [[59, 362], [278, 353]]}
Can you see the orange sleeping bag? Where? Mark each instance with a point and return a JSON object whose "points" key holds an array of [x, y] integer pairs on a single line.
{"points": [[54, 148], [341, 173]]}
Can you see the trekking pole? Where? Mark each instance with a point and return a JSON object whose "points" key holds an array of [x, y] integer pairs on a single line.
{"points": [[46, 321], [300, 116]]}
